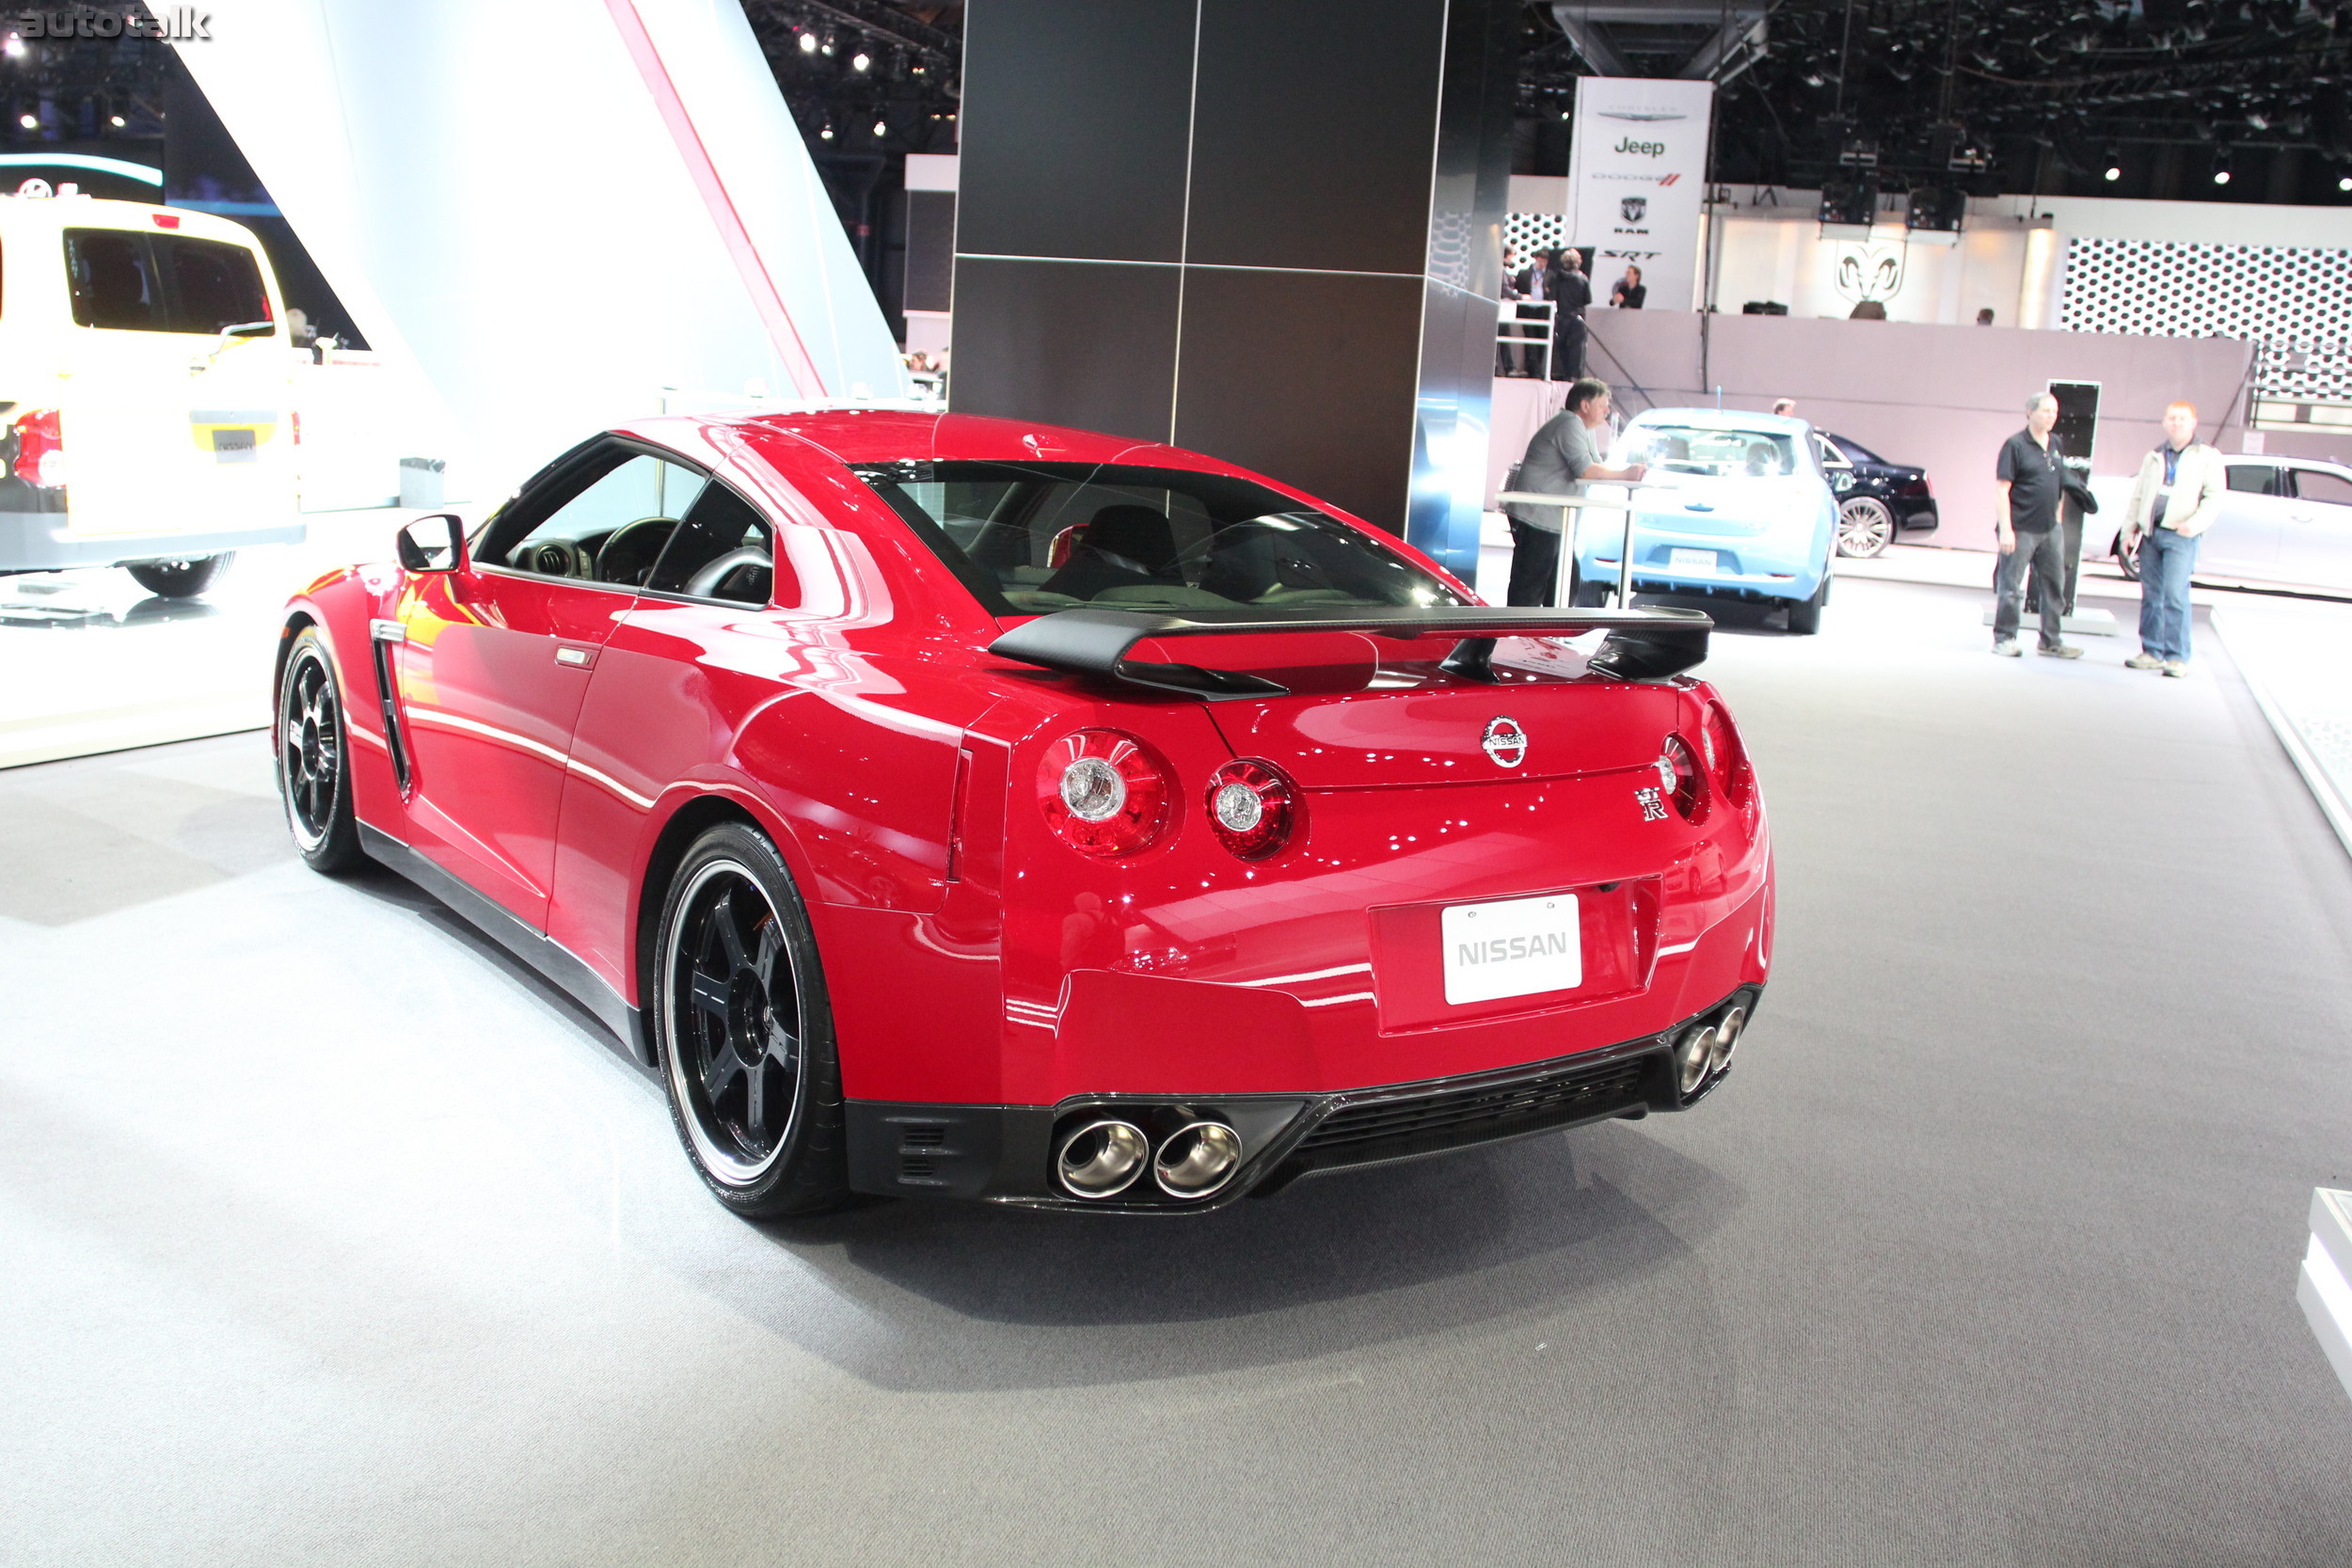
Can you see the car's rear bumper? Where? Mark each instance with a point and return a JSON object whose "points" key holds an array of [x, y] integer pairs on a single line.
{"points": [[1919, 514], [37, 541], [1006, 1153], [1754, 567]]}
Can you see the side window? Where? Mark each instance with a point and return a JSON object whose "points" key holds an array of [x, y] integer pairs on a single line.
{"points": [[721, 550], [212, 284], [604, 523], [2254, 479], [2318, 484], [113, 283]]}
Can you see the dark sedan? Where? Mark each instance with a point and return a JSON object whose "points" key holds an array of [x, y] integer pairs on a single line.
{"points": [[1876, 498]]}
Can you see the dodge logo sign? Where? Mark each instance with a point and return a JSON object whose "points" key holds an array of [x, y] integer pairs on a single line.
{"points": [[1633, 207], [1505, 742]]}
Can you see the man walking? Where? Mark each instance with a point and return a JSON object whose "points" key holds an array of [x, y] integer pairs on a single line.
{"points": [[2181, 487], [2025, 493], [1564, 453]]}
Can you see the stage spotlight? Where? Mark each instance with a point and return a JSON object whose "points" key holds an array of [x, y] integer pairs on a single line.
{"points": [[30, 122], [2221, 177], [117, 121], [13, 47], [861, 61], [825, 135], [808, 43], [2345, 185], [882, 128]]}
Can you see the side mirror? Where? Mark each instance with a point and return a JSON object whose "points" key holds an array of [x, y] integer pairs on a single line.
{"points": [[249, 329], [434, 543]]}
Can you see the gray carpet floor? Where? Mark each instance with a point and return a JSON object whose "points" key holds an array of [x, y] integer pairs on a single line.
{"points": [[328, 1236]]}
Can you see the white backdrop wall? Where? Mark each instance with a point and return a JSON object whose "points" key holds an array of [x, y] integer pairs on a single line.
{"points": [[543, 215]]}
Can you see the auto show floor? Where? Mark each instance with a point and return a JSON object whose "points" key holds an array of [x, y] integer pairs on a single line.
{"points": [[331, 1237]]}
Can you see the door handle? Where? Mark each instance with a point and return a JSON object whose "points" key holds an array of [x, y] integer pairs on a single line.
{"points": [[577, 658]]}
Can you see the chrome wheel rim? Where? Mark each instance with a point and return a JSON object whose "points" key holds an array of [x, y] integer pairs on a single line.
{"points": [[732, 1022], [1863, 528], [309, 750]]}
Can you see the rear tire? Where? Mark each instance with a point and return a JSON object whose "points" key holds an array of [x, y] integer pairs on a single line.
{"points": [[1804, 615], [1865, 526], [745, 1031], [1582, 594], [181, 579], [314, 759]]}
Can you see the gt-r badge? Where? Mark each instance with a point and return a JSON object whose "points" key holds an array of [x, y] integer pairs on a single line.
{"points": [[1653, 805], [1504, 741]]}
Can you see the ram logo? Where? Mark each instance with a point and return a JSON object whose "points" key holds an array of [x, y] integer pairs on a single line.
{"points": [[1633, 207]]}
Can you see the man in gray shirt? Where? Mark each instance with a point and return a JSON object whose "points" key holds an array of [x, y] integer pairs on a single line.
{"points": [[1563, 455]]}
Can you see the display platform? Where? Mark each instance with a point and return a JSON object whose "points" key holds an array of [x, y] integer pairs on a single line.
{"points": [[92, 662], [1985, 1252]]}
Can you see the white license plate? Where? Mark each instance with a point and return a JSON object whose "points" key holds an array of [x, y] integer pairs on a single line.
{"points": [[1692, 561], [1514, 948]]}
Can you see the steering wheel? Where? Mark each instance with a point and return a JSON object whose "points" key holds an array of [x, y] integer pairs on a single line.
{"points": [[705, 583], [631, 549]]}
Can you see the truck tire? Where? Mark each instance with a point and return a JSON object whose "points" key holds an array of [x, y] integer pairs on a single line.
{"points": [[180, 580]]}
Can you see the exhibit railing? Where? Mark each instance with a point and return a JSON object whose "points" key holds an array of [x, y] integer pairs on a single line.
{"points": [[1523, 332]]}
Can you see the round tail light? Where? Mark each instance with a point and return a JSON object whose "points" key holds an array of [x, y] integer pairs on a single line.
{"points": [[1252, 808], [1104, 793], [1727, 758], [1679, 776]]}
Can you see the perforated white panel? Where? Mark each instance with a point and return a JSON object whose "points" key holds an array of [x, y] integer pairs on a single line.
{"points": [[1528, 233], [2294, 302]]}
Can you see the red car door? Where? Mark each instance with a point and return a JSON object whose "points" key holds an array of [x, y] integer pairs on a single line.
{"points": [[498, 657]]}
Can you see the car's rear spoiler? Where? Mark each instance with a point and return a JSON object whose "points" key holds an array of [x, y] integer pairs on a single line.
{"points": [[1644, 645]]}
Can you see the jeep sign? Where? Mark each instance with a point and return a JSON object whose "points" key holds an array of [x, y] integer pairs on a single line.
{"points": [[1637, 180]]}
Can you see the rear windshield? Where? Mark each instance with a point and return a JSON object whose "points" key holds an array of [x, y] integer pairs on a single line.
{"points": [[1856, 452], [1032, 537], [136, 282], [1683, 449]]}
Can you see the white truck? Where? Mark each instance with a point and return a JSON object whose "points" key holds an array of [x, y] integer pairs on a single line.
{"points": [[146, 415]]}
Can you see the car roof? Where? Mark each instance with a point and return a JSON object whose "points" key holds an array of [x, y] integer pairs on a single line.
{"points": [[859, 435], [1723, 418]]}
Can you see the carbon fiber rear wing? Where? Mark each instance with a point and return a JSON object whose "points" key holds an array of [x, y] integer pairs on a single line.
{"points": [[1644, 645]]}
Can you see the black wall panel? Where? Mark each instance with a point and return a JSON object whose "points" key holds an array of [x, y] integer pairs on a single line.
{"points": [[1307, 379], [1075, 120], [930, 263], [1315, 127], [1067, 343]]}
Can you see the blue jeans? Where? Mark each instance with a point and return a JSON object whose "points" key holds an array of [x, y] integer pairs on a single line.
{"points": [[2165, 561]]}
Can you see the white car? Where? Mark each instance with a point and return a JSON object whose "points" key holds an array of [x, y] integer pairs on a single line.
{"points": [[2287, 520], [145, 391]]}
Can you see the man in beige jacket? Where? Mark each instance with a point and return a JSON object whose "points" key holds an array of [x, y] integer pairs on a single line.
{"points": [[2178, 492]]}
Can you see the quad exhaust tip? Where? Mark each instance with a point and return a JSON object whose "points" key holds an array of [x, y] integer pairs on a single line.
{"points": [[1102, 1159], [1727, 1038], [1693, 1052], [1197, 1160]]}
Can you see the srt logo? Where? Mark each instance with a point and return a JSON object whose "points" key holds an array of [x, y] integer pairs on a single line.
{"points": [[1504, 741], [1646, 149], [1633, 207]]}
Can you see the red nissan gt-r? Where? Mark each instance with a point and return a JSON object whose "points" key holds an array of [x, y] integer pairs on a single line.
{"points": [[950, 805]]}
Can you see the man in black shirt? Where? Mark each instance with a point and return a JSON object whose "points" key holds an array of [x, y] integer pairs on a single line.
{"points": [[1574, 291], [2025, 512], [1631, 292]]}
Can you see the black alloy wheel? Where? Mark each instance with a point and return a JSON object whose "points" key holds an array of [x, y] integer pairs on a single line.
{"points": [[1865, 526], [746, 1035], [313, 758]]}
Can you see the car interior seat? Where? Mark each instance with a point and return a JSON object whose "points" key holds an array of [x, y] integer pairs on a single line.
{"points": [[1123, 545]]}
